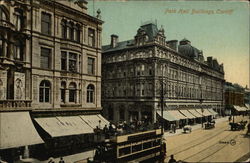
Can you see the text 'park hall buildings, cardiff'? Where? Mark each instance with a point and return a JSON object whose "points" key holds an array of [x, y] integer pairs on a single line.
{"points": [[138, 74], [50, 77]]}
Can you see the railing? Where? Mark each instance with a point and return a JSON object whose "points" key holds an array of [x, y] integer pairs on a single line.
{"points": [[15, 104], [6, 24]]}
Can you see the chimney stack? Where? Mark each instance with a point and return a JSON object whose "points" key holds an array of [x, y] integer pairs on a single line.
{"points": [[114, 40]]}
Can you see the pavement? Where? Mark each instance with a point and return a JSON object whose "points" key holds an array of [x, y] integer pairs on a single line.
{"points": [[194, 127]]}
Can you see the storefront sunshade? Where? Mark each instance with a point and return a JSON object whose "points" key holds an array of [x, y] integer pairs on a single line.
{"points": [[95, 120], [187, 114], [206, 112], [17, 130], [64, 126], [239, 108], [195, 113], [167, 116], [212, 111], [177, 114]]}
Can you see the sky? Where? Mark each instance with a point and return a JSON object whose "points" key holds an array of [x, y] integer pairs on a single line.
{"points": [[220, 29]]}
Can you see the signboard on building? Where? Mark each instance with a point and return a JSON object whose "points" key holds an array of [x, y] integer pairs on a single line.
{"points": [[19, 86]]}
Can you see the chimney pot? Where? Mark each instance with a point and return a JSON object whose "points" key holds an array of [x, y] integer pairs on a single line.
{"points": [[114, 40]]}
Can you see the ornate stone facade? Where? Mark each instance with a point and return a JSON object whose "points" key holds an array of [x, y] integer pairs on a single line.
{"points": [[134, 72], [50, 56]]}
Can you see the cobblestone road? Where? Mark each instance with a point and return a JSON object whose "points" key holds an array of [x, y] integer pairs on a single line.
{"points": [[214, 145]]}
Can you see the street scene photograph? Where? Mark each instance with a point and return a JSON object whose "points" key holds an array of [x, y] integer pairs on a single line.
{"points": [[124, 81]]}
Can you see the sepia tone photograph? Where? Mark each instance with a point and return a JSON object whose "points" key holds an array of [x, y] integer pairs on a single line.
{"points": [[124, 81]]}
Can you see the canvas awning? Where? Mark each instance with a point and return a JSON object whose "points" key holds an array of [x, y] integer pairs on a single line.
{"points": [[64, 126], [187, 114], [206, 112], [195, 113], [212, 111], [177, 114], [167, 116], [239, 108], [95, 120], [17, 130]]}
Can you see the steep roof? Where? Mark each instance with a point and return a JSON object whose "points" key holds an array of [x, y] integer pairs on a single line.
{"points": [[120, 45], [150, 29]]}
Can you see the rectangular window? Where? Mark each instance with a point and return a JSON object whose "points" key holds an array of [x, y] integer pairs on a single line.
{"points": [[63, 92], [91, 37], [64, 29], [63, 60], [46, 23], [91, 64], [45, 58], [72, 62], [72, 95]]}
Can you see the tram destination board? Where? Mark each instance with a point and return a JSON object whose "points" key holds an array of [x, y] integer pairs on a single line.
{"points": [[142, 136]]}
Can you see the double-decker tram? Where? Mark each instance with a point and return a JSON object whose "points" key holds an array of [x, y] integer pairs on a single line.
{"points": [[145, 146]]}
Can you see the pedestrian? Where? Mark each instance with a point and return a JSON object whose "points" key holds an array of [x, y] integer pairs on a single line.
{"points": [[229, 119], [174, 128], [105, 131], [61, 160], [172, 160], [111, 129]]}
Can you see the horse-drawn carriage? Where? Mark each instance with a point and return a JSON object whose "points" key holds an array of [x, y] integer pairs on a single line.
{"points": [[238, 126], [209, 125], [187, 128]]}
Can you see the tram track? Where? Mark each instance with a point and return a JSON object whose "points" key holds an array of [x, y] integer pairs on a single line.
{"points": [[210, 151], [210, 156], [195, 142]]}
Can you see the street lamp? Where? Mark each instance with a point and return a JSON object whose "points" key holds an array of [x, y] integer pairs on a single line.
{"points": [[202, 110]]}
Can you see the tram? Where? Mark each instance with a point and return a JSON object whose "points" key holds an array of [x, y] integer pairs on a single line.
{"points": [[146, 146]]}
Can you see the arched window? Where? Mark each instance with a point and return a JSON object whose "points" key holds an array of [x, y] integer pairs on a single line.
{"points": [[63, 91], [72, 92], [90, 93], [44, 91], [71, 31], [64, 28]]}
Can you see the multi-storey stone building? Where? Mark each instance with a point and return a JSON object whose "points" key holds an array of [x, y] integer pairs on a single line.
{"points": [[135, 71], [50, 63]]}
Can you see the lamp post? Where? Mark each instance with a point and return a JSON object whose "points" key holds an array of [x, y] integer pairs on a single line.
{"points": [[202, 110], [162, 106]]}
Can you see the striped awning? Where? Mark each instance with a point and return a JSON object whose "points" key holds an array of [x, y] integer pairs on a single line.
{"points": [[195, 113], [187, 114], [177, 114], [240, 108], [212, 111]]}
